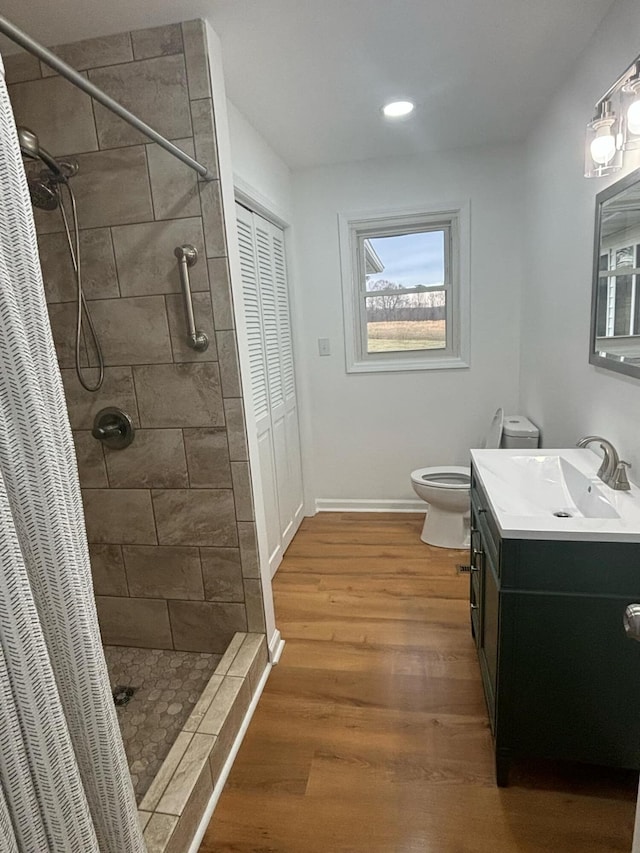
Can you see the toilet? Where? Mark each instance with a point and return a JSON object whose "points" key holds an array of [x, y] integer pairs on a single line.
{"points": [[446, 487]]}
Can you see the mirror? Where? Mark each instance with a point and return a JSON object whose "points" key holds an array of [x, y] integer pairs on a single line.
{"points": [[615, 302]]}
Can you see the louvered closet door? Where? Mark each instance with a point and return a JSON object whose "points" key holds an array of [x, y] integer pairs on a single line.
{"points": [[266, 279], [291, 495], [258, 379]]}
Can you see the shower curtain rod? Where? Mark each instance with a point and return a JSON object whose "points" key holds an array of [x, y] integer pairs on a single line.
{"points": [[25, 41]]}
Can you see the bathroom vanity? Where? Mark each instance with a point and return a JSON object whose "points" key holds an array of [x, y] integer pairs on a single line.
{"points": [[548, 595]]}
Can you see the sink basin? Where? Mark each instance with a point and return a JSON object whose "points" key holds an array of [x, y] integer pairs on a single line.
{"points": [[556, 494], [545, 485]]}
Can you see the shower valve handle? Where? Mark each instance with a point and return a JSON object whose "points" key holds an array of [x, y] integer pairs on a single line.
{"points": [[114, 428], [109, 431]]}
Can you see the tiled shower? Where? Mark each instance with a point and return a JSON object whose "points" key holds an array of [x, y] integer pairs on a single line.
{"points": [[170, 518]]}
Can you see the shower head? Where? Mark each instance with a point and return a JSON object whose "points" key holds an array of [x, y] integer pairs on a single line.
{"points": [[30, 147]]}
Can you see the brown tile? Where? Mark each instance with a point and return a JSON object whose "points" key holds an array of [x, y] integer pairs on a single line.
{"points": [[157, 41], [252, 652], [202, 705], [195, 49], [192, 813], [174, 186], [229, 369], [143, 819], [93, 53], [154, 89], [254, 605], [192, 389], [205, 626], [62, 316], [260, 663], [195, 517], [165, 774], [248, 549], [204, 134], [221, 293], [232, 650], [59, 113], [242, 492], [214, 235], [208, 458], [158, 832], [99, 279], [178, 327], [236, 431], [187, 775], [123, 516], [107, 567], [140, 622], [222, 574], [112, 187], [230, 725], [227, 709], [145, 258], [155, 459], [117, 390], [90, 457], [251, 660], [20, 66], [132, 331], [159, 572]]}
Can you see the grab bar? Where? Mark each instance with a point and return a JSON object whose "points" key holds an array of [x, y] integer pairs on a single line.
{"points": [[187, 256]]}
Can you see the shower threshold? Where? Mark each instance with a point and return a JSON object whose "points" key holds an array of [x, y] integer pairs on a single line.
{"points": [[164, 687], [187, 714]]}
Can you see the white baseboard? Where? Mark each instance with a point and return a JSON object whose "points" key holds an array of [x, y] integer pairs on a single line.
{"points": [[226, 768], [276, 645], [356, 505]]}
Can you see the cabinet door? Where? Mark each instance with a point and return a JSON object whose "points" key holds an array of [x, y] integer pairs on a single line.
{"points": [[490, 632], [574, 678], [475, 592]]}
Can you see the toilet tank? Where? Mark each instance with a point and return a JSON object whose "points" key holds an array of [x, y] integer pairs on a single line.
{"points": [[518, 431]]}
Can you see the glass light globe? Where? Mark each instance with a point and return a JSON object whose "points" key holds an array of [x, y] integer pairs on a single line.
{"points": [[603, 147], [398, 109], [633, 117]]}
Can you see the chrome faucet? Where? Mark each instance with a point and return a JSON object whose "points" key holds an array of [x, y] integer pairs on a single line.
{"points": [[612, 472]]}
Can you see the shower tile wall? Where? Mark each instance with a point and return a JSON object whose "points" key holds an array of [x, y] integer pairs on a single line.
{"points": [[170, 518]]}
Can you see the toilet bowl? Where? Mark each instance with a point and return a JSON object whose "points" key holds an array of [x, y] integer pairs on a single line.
{"points": [[445, 488]]}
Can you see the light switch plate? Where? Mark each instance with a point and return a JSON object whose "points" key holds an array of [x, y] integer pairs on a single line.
{"points": [[324, 346]]}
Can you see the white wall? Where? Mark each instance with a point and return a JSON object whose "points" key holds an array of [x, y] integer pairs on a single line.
{"points": [[560, 390], [368, 432], [257, 169]]}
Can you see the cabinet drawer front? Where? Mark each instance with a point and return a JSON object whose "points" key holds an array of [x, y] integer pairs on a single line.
{"points": [[482, 507], [486, 540]]}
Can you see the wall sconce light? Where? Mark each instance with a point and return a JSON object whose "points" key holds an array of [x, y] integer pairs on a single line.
{"points": [[615, 127]]}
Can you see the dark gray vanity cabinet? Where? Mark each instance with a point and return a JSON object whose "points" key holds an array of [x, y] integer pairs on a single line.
{"points": [[560, 677]]}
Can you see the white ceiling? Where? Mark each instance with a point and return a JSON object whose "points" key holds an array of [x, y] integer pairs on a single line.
{"points": [[310, 75]]}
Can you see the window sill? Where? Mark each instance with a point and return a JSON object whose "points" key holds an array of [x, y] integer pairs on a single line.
{"points": [[372, 365]]}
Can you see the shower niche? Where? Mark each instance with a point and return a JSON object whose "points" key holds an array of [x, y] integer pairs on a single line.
{"points": [[169, 517]]}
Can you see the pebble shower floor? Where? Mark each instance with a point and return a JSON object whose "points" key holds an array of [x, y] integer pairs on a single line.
{"points": [[165, 688]]}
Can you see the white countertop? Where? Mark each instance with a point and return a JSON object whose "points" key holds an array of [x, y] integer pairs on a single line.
{"points": [[526, 486]]}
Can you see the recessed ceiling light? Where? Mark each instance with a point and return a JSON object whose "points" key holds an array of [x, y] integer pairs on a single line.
{"points": [[398, 109]]}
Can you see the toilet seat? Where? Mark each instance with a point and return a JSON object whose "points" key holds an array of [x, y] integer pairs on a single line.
{"points": [[450, 477]]}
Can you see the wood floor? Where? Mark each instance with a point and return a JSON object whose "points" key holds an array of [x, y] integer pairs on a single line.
{"points": [[372, 733]]}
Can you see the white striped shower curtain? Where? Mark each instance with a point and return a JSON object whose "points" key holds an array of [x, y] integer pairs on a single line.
{"points": [[64, 782]]}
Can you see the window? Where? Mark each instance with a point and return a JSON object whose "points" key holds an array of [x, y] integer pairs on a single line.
{"points": [[618, 311], [405, 287]]}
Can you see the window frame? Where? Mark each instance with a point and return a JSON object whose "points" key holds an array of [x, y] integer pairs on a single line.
{"points": [[354, 228]]}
